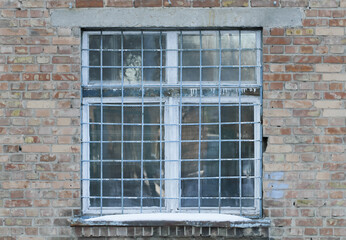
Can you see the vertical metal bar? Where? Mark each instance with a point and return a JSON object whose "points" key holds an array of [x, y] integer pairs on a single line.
{"points": [[239, 129], [219, 111], [180, 113], [161, 120], [122, 120], [101, 140], [200, 121], [142, 137], [259, 44]]}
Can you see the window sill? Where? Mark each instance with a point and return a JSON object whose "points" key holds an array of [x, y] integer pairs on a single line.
{"points": [[168, 227]]}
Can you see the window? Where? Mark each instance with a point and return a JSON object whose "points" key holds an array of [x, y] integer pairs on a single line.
{"points": [[171, 121]]}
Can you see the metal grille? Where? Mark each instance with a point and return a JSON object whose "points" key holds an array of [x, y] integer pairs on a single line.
{"points": [[171, 122]]}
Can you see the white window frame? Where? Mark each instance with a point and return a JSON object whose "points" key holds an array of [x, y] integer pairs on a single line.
{"points": [[171, 116]]}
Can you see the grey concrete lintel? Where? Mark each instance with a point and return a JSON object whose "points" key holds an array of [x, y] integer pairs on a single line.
{"points": [[177, 17]]}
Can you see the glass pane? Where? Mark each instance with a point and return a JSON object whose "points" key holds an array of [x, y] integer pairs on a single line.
{"points": [[210, 58], [189, 150], [248, 57], [209, 168], [111, 59], [230, 187], [209, 187], [152, 74], [151, 189], [247, 131], [95, 132], [132, 170], [95, 170], [133, 114], [111, 170], [210, 114], [190, 74], [132, 189], [190, 132], [247, 150], [189, 188], [152, 41], [132, 41], [229, 74], [132, 133], [132, 151], [229, 131], [111, 188], [189, 169], [191, 58], [94, 74], [151, 170], [112, 151], [248, 74], [209, 132], [111, 114], [247, 187], [210, 41], [190, 42], [247, 168], [248, 39], [111, 132], [229, 149], [94, 42], [94, 58], [210, 74], [230, 39], [247, 113], [190, 114], [151, 151], [95, 188], [111, 42], [111, 74], [152, 114], [230, 57], [230, 113], [209, 150], [95, 151], [229, 168], [151, 133]]}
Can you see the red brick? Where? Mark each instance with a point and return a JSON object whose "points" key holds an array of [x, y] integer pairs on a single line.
{"points": [[18, 203], [277, 31], [299, 68], [307, 59], [148, 3], [306, 49], [36, 76], [277, 41], [235, 3], [333, 59], [89, 3], [119, 3], [264, 3], [337, 22], [277, 77], [205, 3], [276, 59], [9, 77], [306, 41]]}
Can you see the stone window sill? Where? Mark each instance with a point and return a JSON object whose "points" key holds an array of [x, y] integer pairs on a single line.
{"points": [[186, 228]]}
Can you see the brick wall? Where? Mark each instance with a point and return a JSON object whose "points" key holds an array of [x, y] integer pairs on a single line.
{"points": [[304, 118]]}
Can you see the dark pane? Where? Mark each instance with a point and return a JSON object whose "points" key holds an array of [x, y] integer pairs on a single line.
{"points": [[111, 114], [111, 132], [109, 202], [189, 188], [229, 114], [94, 58], [94, 74], [190, 74], [247, 150], [151, 151], [190, 114], [94, 41], [247, 113], [247, 185], [152, 74], [229, 187], [154, 202], [111, 74], [189, 132], [111, 170], [189, 169], [189, 202], [133, 115], [151, 188], [229, 74], [191, 58], [95, 188], [209, 202], [209, 187], [229, 131], [210, 132], [209, 150], [152, 41], [210, 74], [132, 133], [247, 168], [132, 188], [111, 41], [132, 41], [132, 151], [229, 168], [95, 170], [132, 170], [151, 132], [95, 151], [190, 42], [95, 132], [189, 150], [247, 202], [152, 114], [112, 151], [229, 149], [132, 202], [209, 168], [151, 170], [111, 188], [111, 58], [210, 114], [247, 131], [230, 203]]}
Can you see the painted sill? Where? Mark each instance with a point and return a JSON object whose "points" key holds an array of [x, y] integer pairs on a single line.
{"points": [[171, 219]]}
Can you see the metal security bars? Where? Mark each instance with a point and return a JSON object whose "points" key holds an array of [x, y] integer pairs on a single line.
{"points": [[171, 122]]}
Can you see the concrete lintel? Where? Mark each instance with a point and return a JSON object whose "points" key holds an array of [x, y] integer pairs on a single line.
{"points": [[177, 17]]}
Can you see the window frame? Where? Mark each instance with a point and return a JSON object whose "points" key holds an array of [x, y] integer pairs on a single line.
{"points": [[173, 75]]}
